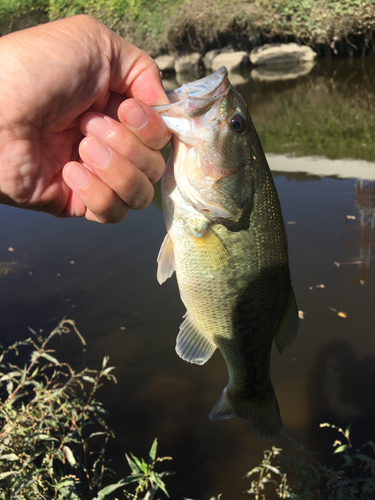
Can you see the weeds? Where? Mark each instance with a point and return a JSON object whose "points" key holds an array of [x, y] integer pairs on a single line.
{"points": [[53, 432], [303, 477]]}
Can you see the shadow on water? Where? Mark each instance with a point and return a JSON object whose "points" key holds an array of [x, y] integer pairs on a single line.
{"points": [[104, 277], [341, 388]]}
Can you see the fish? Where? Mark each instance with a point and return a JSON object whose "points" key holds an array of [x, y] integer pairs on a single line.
{"points": [[226, 241]]}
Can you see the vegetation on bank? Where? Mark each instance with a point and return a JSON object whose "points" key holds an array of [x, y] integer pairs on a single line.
{"points": [[330, 26], [53, 437]]}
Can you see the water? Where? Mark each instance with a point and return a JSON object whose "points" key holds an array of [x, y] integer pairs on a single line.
{"points": [[104, 277]]}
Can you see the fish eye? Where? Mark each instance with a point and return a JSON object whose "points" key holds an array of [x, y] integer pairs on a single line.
{"points": [[238, 123]]}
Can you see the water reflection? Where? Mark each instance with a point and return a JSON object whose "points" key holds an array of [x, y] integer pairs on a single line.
{"points": [[104, 277], [360, 229]]}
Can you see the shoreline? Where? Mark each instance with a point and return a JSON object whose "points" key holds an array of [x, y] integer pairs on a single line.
{"points": [[178, 27]]}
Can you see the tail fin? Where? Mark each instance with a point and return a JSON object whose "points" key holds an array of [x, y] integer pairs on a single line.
{"points": [[263, 417]]}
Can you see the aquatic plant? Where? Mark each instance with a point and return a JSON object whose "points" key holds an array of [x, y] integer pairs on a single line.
{"points": [[53, 432]]}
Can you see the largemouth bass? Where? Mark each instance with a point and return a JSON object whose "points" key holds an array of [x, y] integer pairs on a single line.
{"points": [[226, 241]]}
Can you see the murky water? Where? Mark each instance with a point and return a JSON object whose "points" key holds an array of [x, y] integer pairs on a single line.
{"points": [[104, 277]]}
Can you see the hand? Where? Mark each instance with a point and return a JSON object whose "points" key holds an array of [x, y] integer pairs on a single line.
{"points": [[63, 150]]}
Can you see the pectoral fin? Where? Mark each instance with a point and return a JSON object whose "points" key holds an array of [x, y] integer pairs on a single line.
{"points": [[288, 328], [165, 260], [212, 250], [192, 345]]}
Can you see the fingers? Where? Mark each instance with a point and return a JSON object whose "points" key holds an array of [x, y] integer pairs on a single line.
{"points": [[119, 163], [139, 141], [145, 123]]}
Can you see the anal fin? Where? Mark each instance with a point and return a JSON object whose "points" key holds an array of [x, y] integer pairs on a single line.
{"points": [[192, 345]]}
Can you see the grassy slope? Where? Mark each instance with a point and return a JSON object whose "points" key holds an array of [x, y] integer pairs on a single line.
{"points": [[157, 25]]}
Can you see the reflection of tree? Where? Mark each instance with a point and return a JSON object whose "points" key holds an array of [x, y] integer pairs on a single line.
{"points": [[360, 244]]}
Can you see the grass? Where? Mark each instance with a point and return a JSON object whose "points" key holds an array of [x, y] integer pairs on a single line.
{"points": [[341, 26]]}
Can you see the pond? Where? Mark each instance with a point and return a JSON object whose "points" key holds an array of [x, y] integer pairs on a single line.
{"points": [[318, 131]]}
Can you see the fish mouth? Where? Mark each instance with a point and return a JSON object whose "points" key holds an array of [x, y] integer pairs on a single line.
{"points": [[194, 99]]}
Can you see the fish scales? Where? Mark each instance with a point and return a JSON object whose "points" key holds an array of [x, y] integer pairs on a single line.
{"points": [[226, 241]]}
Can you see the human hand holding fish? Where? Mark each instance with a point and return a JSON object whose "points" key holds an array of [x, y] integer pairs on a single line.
{"points": [[226, 242], [77, 134]]}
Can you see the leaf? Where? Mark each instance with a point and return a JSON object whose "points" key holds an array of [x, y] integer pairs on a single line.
{"points": [[152, 455], [94, 434], [3, 475], [50, 358], [365, 458], [131, 463], [46, 437], [140, 463], [347, 431], [89, 379], [108, 369], [342, 448], [69, 455], [112, 487], [161, 485], [10, 375], [272, 469], [348, 461], [67, 489], [9, 456]]}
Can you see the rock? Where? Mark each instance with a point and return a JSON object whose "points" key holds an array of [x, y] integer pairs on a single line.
{"points": [[190, 63], [209, 57], [165, 63], [233, 61], [284, 53]]}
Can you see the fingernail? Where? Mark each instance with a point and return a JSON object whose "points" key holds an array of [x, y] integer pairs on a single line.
{"points": [[134, 114], [78, 175], [96, 125], [97, 151]]}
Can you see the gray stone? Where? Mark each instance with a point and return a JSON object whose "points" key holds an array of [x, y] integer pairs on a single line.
{"points": [[189, 63], [233, 61], [209, 57], [284, 53], [165, 63]]}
